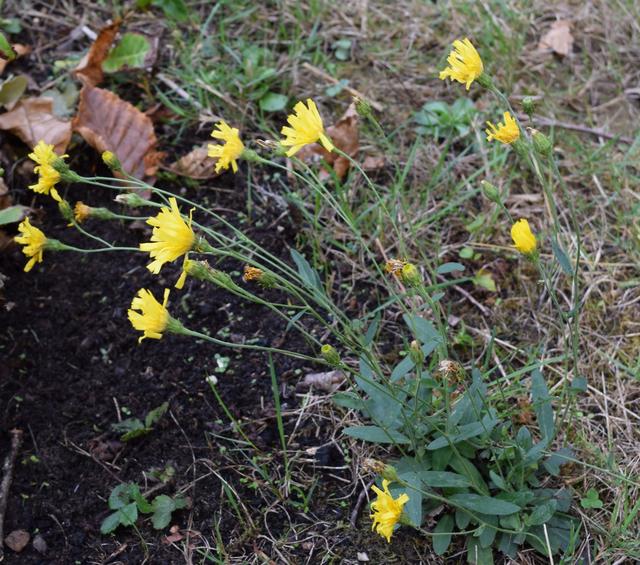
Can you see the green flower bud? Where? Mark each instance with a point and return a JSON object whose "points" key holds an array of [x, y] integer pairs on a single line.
{"points": [[132, 200], [65, 172], [415, 352], [490, 191], [330, 355], [529, 105], [485, 81], [541, 143], [410, 275], [65, 210], [110, 160]]}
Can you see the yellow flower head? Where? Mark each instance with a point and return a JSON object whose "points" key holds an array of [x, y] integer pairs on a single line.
{"points": [[34, 242], [171, 237], [394, 266], [81, 212], [230, 151], [44, 155], [153, 317], [252, 274], [523, 237], [465, 65], [386, 510], [508, 132], [306, 127]]}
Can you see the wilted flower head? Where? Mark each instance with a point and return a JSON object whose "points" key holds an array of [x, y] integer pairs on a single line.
{"points": [[507, 132], [45, 156], [172, 237], [34, 242], [306, 127], [81, 212], [394, 266], [152, 318], [465, 65], [228, 152], [387, 511], [523, 237], [258, 275]]}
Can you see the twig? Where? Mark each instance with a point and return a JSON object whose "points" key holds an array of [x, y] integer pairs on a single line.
{"points": [[356, 509], [576, 127], [319, 72], [7, 476]]}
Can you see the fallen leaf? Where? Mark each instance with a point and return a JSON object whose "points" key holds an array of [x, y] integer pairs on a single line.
{"points": [[19, 50], [373, 162], [89, 70], [345, 136], [5, 197], [196, 165], [32, 119], [12, 90], [329, 381], [108, 123], [17, 540], [558, 38]]}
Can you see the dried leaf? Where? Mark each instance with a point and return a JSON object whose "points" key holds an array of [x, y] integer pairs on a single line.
{"points": [[328, 382], [32, 119], [89, 70], [373, 162], [19, 50], [109, 123], [196, 165], [5, 197], [344, 134], [17, 540], [558, 38]]}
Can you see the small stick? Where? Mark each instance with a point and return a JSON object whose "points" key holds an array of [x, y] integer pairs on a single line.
{"points": [[356, 509], [577, 127], [7, 475]]}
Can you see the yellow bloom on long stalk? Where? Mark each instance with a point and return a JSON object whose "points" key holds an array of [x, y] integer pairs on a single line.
{"points": [[34, 242], [171, 238], [44, 155], [153, 317], [306, 128], [230, 151], [386, 510], [523, 237], [507, 132], [465, 64]]}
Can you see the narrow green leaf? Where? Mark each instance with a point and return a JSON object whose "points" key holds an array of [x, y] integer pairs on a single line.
{"points": [[442, 534], [413, 507], [484, 504], [12, 214], [562, 258], [130, 52], [154, 416], [376, 434], [444, 479], [449, 268], [6, 49], [542, 404]]}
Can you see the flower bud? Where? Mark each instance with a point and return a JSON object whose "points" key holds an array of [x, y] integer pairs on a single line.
{"points": [[65, 172], [330, 355], [110, 160], [529, 105], [363, 107], [410, 275], [65, 210], [132, 200], [415, 352], [265, 280], [485, 81], [378, 467], [541, 143], [490, 191]]}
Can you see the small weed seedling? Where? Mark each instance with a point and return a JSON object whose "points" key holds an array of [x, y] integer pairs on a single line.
{"points": [[133, 427]]}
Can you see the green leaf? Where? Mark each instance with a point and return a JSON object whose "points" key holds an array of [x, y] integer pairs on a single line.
{"points": [[12, 89], [154, 416], [444, 479], [465, 432], [12, 214], [542, 513], [128, 514], [592, 500], [443, 532], [401, 369], [376, 434], [449, 268], [422, 329], [542, 404], [477, 554], [6, 49], [560, 457], [466, 253], [413, 507], [498, 480], [173, 9], [348, 400], [484, 279], [487, 532], [120, 496], [562, 258], [484, 504], [141, 502], [130, 52], [110, 523], [465, 467], [273, 102], [163, 506], [306, 271]]}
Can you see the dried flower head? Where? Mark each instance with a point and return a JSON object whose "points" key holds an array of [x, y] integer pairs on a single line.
{"points": [[81, 212], [306, 128], [394, 266]]}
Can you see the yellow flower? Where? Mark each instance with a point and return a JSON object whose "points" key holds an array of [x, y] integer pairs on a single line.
{"points": [[386, 510], [44, 155], [230, 151], [34, 242], [171, 237], [252, 274], [81, 212], [153, 317], [465, 65], [394, 266], [523, 237], [306, 127], [508, 132]]}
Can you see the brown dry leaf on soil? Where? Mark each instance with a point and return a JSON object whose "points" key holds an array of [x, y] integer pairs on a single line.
{"points": [[32, 119], [558, 38], [20, 50], [89, 70], [108, 123], [345, 136], [196, 165]]}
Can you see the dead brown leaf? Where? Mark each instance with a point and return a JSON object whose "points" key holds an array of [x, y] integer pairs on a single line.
{"points": [[196, 165], [17, 540], [20, 50], [109, 123], [558, 38], [345, 136], [373, 162], [89, 70], [32, 119], [327, 382]]}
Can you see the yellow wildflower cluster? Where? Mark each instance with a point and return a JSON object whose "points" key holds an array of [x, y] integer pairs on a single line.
{"points": [[45, 156]]}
